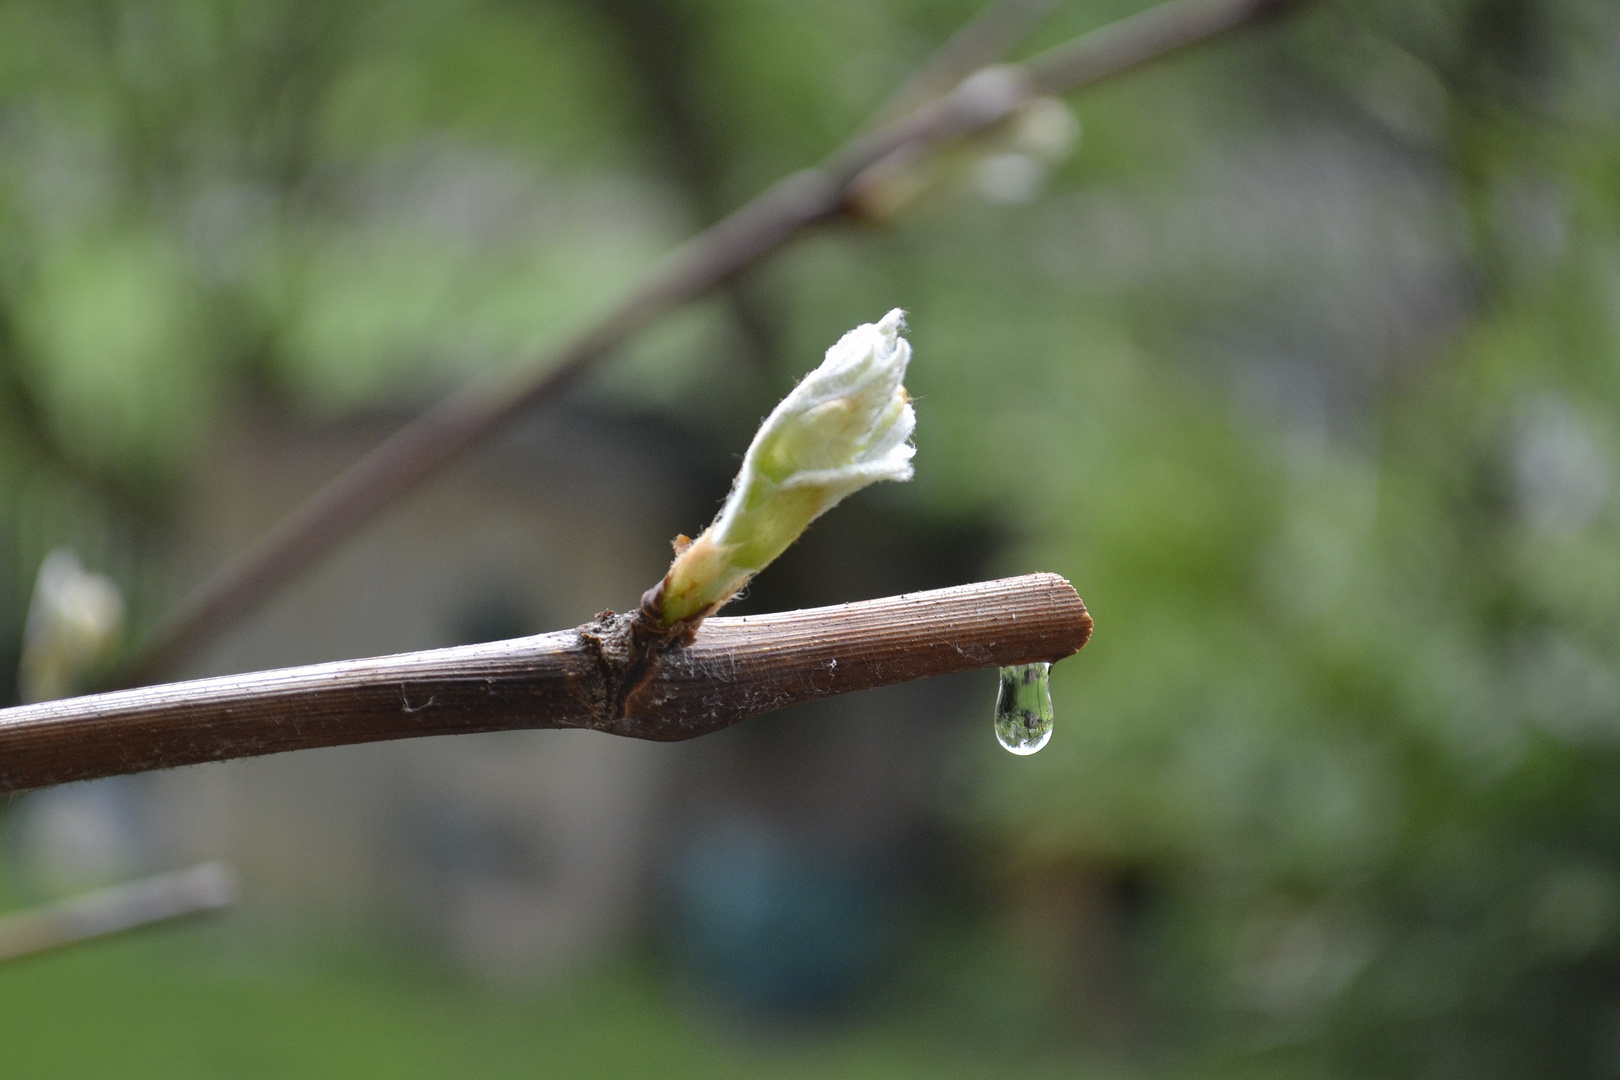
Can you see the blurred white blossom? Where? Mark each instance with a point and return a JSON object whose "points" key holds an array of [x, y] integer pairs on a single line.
{"points": [[1039, 136], [74, 620], [1009, 162]]}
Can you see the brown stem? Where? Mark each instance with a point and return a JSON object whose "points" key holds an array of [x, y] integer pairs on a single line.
{"points": [[601, 675], [1148, 35], [426, 444]]}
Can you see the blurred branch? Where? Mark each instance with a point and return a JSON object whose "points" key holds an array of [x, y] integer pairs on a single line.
{"points": [[657, 42], [198, 889], [599, 676], [983, 41], [426, 444], [1135, 41]]}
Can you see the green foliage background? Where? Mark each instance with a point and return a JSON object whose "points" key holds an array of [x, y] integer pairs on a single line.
{"points": [[1305, 369]]}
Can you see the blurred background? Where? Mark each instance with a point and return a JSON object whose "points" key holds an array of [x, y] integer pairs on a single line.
{"points": [[1304, 366]]}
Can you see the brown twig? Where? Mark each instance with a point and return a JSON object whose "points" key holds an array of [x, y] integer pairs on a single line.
{"points": [[1130, 43], [595, 676], [202, 888], [426, 444]]}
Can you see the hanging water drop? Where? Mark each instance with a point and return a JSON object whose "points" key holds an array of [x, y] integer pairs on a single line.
{"points": [[1024, 708]]}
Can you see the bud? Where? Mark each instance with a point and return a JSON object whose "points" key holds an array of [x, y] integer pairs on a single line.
{"points": [[846, 425], [1007, 162], [74, 620], [1039, 135]]}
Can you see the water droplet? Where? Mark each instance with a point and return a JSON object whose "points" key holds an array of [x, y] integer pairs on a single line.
{"points": [[1024, 708]]}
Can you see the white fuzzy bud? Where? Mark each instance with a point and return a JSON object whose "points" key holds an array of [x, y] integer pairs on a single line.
{"points": [[74, 620], [846, 425]]}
